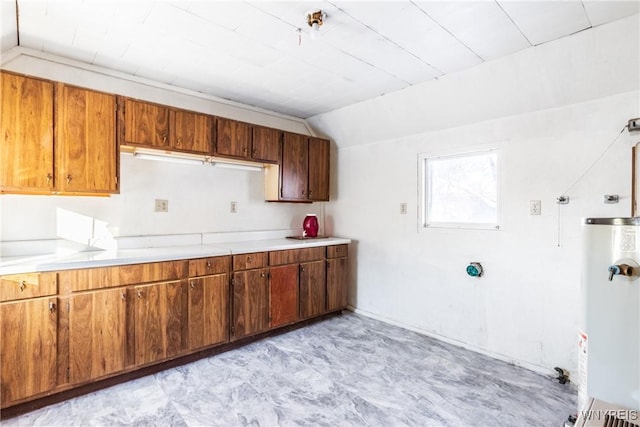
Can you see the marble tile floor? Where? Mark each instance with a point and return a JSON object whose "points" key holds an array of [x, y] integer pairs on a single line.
{"points": [[348, 370]]}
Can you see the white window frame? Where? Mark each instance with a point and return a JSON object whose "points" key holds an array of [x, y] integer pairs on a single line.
{"points": [[423, 221]]}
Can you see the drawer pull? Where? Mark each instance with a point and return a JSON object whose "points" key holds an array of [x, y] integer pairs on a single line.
{"points": [[52, 307], [192, 284], [208, 264], [249, 258], [23, 285]]}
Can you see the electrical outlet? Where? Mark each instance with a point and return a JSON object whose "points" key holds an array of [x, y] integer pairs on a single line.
{"points": [[535, 207], [162, 205], [634, 125], [403, 208], [234, 207]]}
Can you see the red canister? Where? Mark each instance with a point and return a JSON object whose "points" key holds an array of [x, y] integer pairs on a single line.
{"points": [[310, 226]]}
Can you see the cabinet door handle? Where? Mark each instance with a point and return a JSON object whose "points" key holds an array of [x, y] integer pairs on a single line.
{"points": [[310, 192], [302, 269], [303, 192], [123, 297], [179, 140], [69, 178], [23, 285], [52, 307], [49, 178], [139, 294], [263, 275], [254, 151], [192, 284], [164, 139]]}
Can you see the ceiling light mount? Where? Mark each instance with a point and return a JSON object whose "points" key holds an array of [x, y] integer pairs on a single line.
{"points": [[315, 19]]}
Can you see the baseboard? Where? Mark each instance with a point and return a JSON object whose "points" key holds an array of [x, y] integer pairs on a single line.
{"points": [[505, 358]]}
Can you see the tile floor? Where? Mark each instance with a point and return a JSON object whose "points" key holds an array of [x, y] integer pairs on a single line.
{"points": [[345, 371]]}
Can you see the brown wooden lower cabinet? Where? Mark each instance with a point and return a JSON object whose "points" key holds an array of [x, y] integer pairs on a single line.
{"points": [[160, 321], [283, 294], [28, 340], [208, 311], [250, 302], [86, 325], [336, 283], [313, 289], [97, 334]]}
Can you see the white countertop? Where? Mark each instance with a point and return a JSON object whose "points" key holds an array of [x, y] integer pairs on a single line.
{"points": [[90, 259]]}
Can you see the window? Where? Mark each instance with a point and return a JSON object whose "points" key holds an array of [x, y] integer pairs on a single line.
{"points": [[460, 190]]}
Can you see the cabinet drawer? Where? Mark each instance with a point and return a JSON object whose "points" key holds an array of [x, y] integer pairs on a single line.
{"points": [[105, 277], [249, 261], [337, 251], [207, 266], [296, 256], [29, 285]]}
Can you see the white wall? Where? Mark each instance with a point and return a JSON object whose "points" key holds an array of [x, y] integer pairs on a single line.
{"points": [[526, 307], [199, 196]]}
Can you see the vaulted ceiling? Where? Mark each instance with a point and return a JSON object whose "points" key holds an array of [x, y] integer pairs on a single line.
{"points": [[261, 53]]}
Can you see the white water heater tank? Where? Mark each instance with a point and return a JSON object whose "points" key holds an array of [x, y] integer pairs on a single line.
{"points": [[609, 356]]}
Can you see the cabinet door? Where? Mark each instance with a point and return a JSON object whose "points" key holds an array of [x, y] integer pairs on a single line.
{"points": [[146, 124], [28, 341], [336, 283], [283, 294], [86, 149], [266, 144], [313, 289], [295, 160], [318, 169], [160, 321], [190, 131], [208, 311], [250, 303], [233, 138], [26, 129], [97, 334]]}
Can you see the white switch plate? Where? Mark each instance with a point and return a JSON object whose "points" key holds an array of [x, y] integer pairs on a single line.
{"points": [[234, 207], [403, 208], [535, 207], [162, 205]]}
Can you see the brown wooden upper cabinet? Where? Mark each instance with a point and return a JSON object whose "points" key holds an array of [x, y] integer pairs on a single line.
{"points": [[318, 184], [81, 157], [26, 126], [145, 123], [266, 144], [303, 173], [233, 139], [240, 140], [158, 126], [86, 152], [190, 131]]}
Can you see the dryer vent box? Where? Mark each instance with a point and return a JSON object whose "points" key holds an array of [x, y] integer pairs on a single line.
{"points": [[634, 125]]}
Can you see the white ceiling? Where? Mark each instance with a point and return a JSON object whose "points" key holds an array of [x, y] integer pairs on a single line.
{"points": [[252, 52]]}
